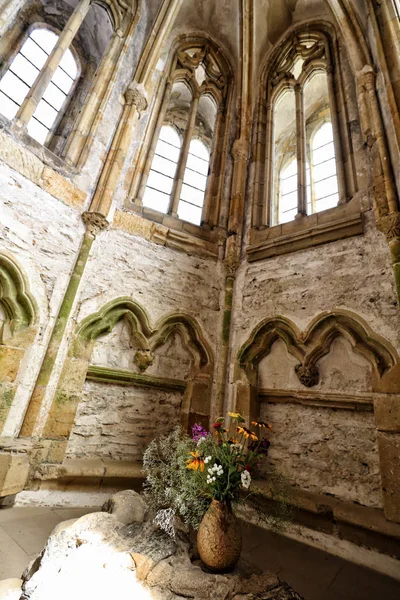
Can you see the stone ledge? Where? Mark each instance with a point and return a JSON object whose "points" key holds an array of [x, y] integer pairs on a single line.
{"points": [[368, 526], [169, 232], [300, 235], [359, 402], [90, 469], [124, 377]]}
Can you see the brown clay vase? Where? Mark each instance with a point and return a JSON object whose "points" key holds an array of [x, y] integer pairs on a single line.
{"points": [[219, 540]]}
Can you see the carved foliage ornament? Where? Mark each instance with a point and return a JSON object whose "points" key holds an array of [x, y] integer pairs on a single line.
{"points": [[390, 226], [95, 222], [134, 96]]}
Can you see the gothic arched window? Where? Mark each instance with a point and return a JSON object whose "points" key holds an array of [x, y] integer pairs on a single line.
{"points": [[303, 171], [22, 74], [180, 173]]}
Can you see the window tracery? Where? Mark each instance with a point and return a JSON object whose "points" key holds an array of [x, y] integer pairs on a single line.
{"points": [[193, 104], [93, 38], [22, 74], [302, 112]]}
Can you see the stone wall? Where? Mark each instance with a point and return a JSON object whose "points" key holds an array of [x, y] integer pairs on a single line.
{"points": [[118, 423], [314, 447]]}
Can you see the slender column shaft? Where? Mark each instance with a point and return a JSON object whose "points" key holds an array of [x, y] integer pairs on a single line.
{"points": [[210, 210], [154, 142], [89, 112], [337, 137], [269, 170], [301, 152], [180, 171], [39, 87]]}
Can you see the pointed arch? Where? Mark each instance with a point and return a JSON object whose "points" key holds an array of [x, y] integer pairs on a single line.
{"points": [[327, 326], [15, 298], [265, 335]]}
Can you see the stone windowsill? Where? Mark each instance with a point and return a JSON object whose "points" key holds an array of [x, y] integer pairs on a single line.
{"points": [[170, 232], [38, 164], [327, 226]]}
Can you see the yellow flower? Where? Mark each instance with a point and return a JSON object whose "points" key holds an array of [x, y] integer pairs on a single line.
{"points": [[196, 463], [247, 433], [236, 416], [261, 424]]}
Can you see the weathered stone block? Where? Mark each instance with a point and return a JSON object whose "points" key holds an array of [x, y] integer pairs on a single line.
{"points": [[389, 454], [13, 473], [10, 359], [387, 412]]}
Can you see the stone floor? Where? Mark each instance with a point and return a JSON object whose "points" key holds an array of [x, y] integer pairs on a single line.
{"points": [[312, 573]]}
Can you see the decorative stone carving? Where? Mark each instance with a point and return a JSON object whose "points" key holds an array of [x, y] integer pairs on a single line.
{"points": [[308, 375], [135, 95], [390, 226], [143, 359], [95, 222], [15, 299], [315, 342], [240, 149]]}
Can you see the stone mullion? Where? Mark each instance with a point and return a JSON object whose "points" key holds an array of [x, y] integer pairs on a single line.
{"points": [[269, 169], [212, 198], [337, 137], [39, 87], [90, 110], [135, 102], [301, 152], [154, 142], [180, 171]]}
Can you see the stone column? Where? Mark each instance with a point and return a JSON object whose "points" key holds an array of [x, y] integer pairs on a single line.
{"points": [[39, 87], [90, 110], [337, 137], [94, 224], [269, 171], [374, 131], [210, 209], [180, 171], [135, 103], [301, 152], [154, 142]]}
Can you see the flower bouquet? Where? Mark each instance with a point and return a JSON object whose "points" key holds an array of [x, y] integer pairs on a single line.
{"points": [[192, 477]]}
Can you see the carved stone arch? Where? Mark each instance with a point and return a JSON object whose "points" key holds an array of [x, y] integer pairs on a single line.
{"points": [[15, 298], [104, 321], [265, 335], [118, 10], [327, 326], [190, 332]]}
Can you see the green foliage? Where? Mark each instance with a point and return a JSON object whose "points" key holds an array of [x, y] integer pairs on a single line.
{"points": [[169, 483]]}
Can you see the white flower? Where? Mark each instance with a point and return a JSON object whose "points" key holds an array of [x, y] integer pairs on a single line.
{"points": [[207, 459], [200, 440], [246, 480]]}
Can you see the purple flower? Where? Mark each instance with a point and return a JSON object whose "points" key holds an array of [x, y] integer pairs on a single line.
{"points": [[198, 432], [260, 447]]}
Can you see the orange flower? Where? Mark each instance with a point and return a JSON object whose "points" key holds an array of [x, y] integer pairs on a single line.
{"points": [[247, 433], [262, 424], [196, 463]]}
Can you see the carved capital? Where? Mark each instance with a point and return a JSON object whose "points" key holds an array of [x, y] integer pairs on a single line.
{"points": [[308, 375], [231, 265], [240, 150], [390, 226], [95, 222], [143, 359], [135, 95]]}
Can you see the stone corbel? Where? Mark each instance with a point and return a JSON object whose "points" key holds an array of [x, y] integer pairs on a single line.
{"points": [[136, 96], [95, 223]]}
